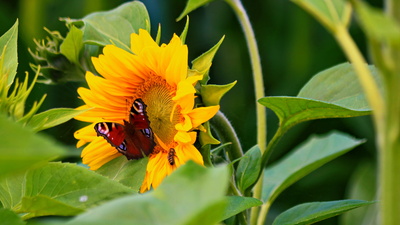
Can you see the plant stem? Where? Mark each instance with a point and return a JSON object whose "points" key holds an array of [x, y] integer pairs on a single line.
{"points": [[257, 71], [392, 8], [259, 90], [374, 96], [226, 133], [389, 149]]}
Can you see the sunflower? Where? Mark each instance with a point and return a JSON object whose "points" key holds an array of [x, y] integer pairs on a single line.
{"points": [[158, 75]]}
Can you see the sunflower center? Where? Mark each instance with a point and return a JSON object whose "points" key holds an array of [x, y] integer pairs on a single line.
{"points": [[162, 112]]}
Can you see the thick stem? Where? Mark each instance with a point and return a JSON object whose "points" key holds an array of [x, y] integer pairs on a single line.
{"points": [[389, 155], [226, 133], [259, 89], [392, 8], [369, 85], [257, 71]]}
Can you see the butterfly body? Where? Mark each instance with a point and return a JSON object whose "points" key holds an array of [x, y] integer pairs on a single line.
{"points": [[134, 139]]}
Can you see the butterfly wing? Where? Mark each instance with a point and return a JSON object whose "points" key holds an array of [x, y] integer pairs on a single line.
{"points": [[114, 133], [135, 138], [138, 141], [141, 124]]}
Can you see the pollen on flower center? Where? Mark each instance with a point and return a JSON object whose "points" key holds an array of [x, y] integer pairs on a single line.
{"points": [[163, 115]]}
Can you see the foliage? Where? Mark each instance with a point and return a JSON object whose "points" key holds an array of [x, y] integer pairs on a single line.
{"points": [[237, 186]]}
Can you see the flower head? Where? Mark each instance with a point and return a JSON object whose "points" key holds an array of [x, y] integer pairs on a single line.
{"points": [[158, 75]]}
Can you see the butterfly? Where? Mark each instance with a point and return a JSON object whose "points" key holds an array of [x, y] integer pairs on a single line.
{"points": [[134, 139]]}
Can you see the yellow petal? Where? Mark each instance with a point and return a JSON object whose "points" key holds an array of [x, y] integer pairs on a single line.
{"points": [[98, 101], [186, 103], [182, 137], [178, 58], [185, 152], [203, 114], [185, 125], [86, 134], [185, 87], [98, 152], [141, 40]]}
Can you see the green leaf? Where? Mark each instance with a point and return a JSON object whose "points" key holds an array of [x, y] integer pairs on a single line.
{"points": [[185, 30], [42, 205], [8, 54], [21, 148], [323, 97], [53, 117], [294, 110], [378, 25], [362, 185], [201, 65], [207, 138], [331, 13], [8, 217], [57, 187], [328, 86], [309, 213], [315, 152], [114, 26], [127, 172], [248, 169], [237, 204], [211, 94], [192, 5], [72, 45], [191, 195]]}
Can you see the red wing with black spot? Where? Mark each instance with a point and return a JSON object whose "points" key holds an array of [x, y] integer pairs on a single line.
{"points": [[134, 139]]}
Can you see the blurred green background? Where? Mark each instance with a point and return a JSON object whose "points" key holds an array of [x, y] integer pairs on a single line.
{"points": [[293, 47]]}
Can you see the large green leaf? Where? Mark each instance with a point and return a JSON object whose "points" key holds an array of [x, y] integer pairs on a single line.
{"points": [[8, 54], [309, 213], [324, 96], [57, 189], [21, 148], [339, 85], [331, 13], [378, 25], [53, 117], [114, 26], [191, 195], [8, 217], [294, 110], [237, 204], [128, 172], [41, 205], [309, 156]]}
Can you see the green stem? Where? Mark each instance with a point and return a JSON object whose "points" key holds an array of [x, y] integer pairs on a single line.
{"points": [[258, 86], [392, 8], [257, 71], [262, 215], [389, 149], [386, 111], [369, 85], [226, 133]]}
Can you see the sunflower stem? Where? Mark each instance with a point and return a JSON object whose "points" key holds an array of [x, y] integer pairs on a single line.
{"points": [[226, 133], [259, 90], [389, 149]]}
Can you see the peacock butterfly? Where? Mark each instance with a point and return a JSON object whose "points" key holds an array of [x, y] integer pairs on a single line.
{"points": [[135, 138]]}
